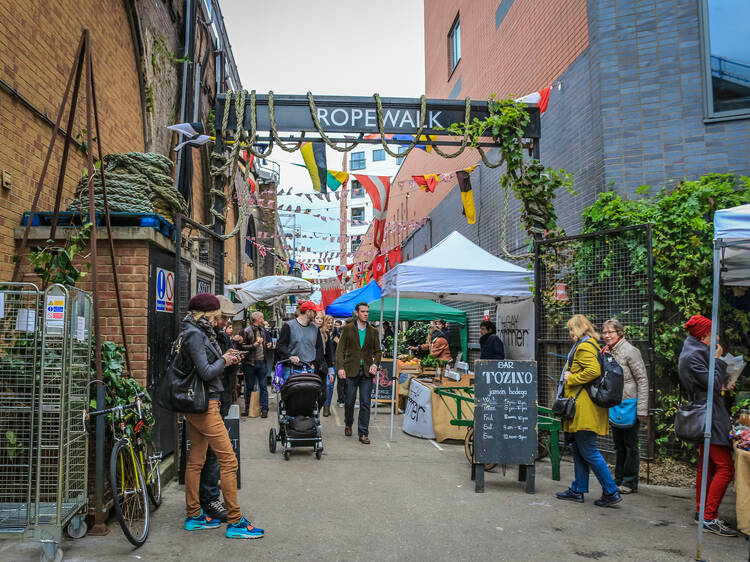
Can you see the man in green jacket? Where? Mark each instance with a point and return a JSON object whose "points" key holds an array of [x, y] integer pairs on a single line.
{"points": [[358, 357]]}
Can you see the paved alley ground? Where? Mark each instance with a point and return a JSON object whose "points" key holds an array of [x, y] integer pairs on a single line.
{"points": [[406, 500]]}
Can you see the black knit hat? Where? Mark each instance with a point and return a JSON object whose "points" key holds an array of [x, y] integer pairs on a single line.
{"points": [[204, 302]]}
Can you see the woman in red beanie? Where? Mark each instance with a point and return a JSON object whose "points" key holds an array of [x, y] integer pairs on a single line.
{"points": [[693, 372]]}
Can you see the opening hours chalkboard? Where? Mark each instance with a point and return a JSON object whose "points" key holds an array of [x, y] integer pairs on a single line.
{"points": [[505, 412]]}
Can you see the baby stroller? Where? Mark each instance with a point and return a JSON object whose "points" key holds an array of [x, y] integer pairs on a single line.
{"points": [[298, 389]]}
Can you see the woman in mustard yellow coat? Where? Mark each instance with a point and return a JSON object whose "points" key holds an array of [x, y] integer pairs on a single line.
{"points": [[590, 420]]}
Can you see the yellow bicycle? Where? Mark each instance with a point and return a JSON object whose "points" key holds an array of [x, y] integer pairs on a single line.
{"points": [[133, 469]]}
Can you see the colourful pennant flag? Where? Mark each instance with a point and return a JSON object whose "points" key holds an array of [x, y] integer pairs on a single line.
{"points": [[379, 190], [314, 155], [467, 195], [336, 180], [427, 182]]}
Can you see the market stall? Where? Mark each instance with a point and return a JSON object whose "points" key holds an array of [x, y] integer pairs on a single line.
{"points": [[270, 289], [454, 268], [421, 309], [731, 264], [343, 307]]}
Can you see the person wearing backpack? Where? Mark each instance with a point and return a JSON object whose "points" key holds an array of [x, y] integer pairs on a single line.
{"points": [[626, 417], [589, 420]]}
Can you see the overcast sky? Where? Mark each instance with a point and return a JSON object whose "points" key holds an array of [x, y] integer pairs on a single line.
{"points": [[328, 47]]}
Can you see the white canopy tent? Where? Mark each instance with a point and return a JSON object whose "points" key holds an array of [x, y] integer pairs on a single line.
{"points": [[457, 268], [732, 267], [270, 289]]}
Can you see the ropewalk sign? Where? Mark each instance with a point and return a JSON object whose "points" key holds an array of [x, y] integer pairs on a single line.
{"points": [[359, 115]]}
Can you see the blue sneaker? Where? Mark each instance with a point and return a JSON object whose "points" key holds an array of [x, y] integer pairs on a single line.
{"points": [[243, 529], [200, 522]]}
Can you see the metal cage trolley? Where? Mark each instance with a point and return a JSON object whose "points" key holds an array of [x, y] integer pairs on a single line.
{"points": [[45, 365]]}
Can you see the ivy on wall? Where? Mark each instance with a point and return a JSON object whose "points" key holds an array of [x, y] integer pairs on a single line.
{"points": [[682, 220]]}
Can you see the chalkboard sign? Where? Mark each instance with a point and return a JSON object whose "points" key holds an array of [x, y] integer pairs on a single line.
{"points": [[505, 412], [384, 381]]}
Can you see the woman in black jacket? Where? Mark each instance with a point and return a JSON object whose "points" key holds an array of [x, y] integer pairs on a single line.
{"points": [[490, 345], [198, 349]]}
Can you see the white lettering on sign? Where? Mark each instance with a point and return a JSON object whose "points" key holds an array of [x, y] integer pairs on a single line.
{"points": [[339, 111], [367, 118], [508, 377], [370, 120]]}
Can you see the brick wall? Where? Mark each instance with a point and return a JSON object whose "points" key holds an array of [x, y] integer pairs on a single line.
{"points": [[535, 42], [37, 45], [648, 72], [131, 260], [628, 111]]}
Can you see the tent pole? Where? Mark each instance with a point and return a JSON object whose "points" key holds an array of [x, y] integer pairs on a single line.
{"points": [[395, 358], [710, 393], [380, 337]]}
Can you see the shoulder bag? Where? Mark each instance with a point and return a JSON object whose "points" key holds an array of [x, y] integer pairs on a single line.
{"points": [[690, 421], [566, 407], [181, 392]]}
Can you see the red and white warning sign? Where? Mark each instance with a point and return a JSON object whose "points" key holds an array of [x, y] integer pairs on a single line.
{"points": [[561, 292], [164, 290]]}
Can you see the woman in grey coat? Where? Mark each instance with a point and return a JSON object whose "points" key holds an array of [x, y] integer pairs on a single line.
{"points": [[625, 436], [693, 372]]}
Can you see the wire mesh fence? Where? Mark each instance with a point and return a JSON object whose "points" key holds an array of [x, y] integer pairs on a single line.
{"points": [[601, 275], [19, 305], [45, 366]]}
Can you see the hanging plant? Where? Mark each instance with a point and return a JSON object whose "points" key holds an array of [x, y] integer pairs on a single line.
{"points": [[533, 184], [54, 264]]}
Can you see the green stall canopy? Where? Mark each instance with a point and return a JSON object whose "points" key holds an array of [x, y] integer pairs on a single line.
{"points": [[421, 309]]}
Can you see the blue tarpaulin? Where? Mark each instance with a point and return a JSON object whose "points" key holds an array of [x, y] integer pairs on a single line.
{"points": [[344, 305]]}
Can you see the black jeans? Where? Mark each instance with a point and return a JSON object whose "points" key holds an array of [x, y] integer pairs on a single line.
{"points": [[364, 384], [627, 455], [210, 474]]}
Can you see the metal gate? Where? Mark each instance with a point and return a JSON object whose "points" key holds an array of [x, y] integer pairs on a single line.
{"points": [[602, 275]]}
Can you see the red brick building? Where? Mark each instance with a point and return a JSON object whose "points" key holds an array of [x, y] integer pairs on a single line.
{"points": [[138, 51], [637, 100]]}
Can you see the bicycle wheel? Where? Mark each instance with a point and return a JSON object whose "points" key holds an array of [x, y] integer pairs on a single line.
{"points": [[153, 474], [129, 493]]}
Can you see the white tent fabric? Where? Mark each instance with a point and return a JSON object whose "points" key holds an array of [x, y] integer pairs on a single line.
{"points": [[731, 265], [271, 289], [456, 267], [732, 227]]}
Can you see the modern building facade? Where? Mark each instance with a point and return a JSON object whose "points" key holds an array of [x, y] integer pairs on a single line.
{"points": [[646, 92]]}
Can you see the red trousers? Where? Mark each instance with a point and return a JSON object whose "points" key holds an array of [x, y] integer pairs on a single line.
{"points": [[720, 474]]}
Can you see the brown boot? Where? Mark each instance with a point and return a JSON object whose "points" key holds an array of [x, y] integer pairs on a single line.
{"points": [[348, 431], [326, 411]]}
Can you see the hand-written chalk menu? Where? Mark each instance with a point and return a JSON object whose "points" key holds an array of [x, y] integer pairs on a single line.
{"points": [[505, 412]]}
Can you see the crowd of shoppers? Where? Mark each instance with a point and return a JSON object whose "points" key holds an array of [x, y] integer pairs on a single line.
{"points": [[350, 354]]}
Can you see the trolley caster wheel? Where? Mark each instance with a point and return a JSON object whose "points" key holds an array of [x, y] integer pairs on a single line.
{"points": [[287, 454], [51, 553], [272, 440], [77, 528], [319, 453]]}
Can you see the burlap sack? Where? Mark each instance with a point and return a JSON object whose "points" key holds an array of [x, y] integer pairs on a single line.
{"points": [[254, 404]]}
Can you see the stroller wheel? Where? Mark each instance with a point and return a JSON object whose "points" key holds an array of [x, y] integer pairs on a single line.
{"points": [[272, 440], [319, 452], [287, 454]]}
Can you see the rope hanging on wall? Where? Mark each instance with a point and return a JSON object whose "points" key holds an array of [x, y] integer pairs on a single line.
{"points": [[137, 182]]}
